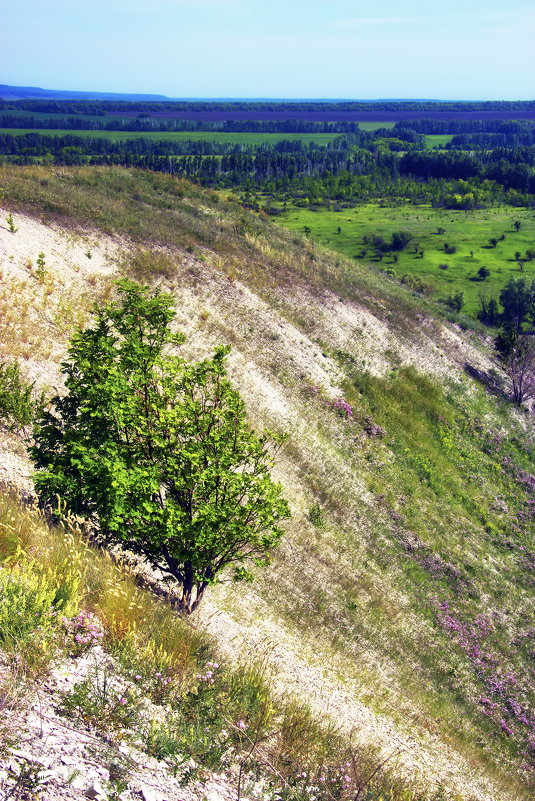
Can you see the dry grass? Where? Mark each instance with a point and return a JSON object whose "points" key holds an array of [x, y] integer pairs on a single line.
{"points": [[266, 734]]}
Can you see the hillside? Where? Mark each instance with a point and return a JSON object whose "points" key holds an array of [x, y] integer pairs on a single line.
{"points": [[409, 618]]}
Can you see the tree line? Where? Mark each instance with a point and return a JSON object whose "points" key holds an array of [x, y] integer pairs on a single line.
{"points": [[352, 168], [107, 106], [82, 123]]}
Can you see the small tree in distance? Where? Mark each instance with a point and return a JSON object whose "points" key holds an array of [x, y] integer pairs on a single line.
{"points": [[517, 354], [157, 452]]}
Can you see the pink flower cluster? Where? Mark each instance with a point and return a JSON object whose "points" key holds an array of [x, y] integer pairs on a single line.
{"points": [[85, 629], [208, 676], [504, 703], [342, 407]]}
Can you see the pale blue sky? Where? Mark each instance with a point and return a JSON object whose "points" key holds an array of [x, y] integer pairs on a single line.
{"points": [[466, 49]]}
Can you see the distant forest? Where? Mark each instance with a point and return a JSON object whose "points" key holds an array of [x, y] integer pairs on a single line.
{"points": [[102, 107], [478, 162]]}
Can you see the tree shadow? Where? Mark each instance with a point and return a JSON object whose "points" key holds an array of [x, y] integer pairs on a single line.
{"points": [[492, 383]]}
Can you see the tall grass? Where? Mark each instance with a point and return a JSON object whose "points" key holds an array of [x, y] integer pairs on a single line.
{"points": [[155, 209], [213, 714]]}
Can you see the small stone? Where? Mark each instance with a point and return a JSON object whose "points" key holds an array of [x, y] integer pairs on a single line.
{"points": [[79, 782], [19, 754], [214, 795], [148, 794], [104, 774], [96, 791]]}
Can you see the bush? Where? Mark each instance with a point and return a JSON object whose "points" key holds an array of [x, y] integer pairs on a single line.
{"points": [[18, 407]]}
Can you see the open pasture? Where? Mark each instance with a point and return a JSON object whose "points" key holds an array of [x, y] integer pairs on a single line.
{"points": [[437, 140], [244, 138], [468, 232]]}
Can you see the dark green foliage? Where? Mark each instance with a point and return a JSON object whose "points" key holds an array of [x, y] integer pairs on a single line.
{"points": [[455, 301], [400, 240], [483, 273], [157, 451], [315, 516], [488, 309], [17, 403], [505, 342], [517, 299]]}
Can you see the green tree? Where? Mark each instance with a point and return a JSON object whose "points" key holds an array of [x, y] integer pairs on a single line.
{"points": [[488, 309], [516, 298], [483, 273], [157, 451], [400, 240]]}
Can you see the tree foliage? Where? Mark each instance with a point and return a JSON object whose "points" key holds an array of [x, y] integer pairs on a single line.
{"points": [[157, 451], [517, 299]]}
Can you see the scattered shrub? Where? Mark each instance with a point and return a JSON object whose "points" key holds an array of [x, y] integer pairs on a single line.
{"points": [[315, 516], [18, 406]]}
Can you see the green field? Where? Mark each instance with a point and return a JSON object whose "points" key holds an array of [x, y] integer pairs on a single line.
{"points": [[195, 136], [373, 126], [50, 115], [468, 231], [437, 140]]}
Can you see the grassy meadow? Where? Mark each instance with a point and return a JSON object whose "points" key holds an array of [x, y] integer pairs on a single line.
{"points": [[217, 137], [468, 231], [437, 140]]}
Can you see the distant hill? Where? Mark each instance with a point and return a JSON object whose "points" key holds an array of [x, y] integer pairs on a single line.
{"points": [[8, 92]]}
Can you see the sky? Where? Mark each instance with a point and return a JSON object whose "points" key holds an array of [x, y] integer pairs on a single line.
{"points": [[363, 49]]}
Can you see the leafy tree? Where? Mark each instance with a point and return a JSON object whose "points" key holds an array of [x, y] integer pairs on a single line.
{"points": [[483, 273], [516, 298], [517, 225], [488, 309], [157, 451], [400, 240], [493, 241]]}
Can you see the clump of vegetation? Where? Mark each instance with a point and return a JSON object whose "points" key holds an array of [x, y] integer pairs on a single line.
{"points": [[208, 715], [40, 271], [18, 401], [11, 223], [157, 451]]}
